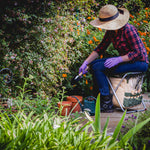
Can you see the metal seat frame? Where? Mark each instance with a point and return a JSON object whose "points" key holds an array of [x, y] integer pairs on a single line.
{"points": [[114, 90]]}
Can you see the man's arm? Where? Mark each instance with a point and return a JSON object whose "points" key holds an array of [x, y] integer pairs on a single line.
{"points": [[92, 57]]}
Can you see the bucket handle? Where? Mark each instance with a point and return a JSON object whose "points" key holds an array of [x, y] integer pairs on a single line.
{"points": [[82, 108], [91, 97]]}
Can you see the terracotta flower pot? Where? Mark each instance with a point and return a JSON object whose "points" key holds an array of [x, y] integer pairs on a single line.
{"points": [[66, 107], [75, 105]]}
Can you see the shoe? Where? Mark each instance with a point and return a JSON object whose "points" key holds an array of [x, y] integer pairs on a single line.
{"points": [[106, 104]]}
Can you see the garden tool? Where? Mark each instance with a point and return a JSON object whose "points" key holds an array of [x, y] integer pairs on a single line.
{"points": [[78, 77]]}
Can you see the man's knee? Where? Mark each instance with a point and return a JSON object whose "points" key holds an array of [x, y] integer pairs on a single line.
{"points": [[99, 66]]}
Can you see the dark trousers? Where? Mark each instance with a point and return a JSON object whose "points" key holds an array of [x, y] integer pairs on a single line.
{"points": [[100, 72]]}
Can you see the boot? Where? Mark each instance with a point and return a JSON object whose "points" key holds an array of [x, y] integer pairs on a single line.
{"points": [[106, 104]]}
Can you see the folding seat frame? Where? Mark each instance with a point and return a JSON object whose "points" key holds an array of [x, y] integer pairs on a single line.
{"points": [[129, 110]]}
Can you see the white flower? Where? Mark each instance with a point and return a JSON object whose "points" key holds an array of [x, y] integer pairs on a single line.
{"points": [[9, 102], [12, 57], [56, 126]]}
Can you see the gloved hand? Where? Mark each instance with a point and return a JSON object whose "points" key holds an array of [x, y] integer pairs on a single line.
{"points": [[83, 67], [111, 62]]}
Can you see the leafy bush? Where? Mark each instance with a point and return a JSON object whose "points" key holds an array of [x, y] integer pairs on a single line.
{"points": [[47, 131], [50, 131], [27, 101], [45, 40], [142, 137]]}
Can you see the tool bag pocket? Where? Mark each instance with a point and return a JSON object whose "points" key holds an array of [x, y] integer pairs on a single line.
{"points": [[129, 91]]}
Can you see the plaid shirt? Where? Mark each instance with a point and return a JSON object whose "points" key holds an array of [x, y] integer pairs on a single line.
{"points": [[126, 41]]}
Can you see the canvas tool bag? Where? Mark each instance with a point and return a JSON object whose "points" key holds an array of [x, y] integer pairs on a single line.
{"points": [[128, 92]]}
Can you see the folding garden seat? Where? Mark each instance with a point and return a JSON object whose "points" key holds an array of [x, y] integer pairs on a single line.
{"points": [[126, 90]]}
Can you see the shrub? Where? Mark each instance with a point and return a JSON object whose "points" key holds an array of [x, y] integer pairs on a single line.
{"points": [[46, 39], [50, 131], [142, 137], [47, 131]]}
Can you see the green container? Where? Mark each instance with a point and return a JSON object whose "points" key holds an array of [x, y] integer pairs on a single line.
{"points": [[89, 104]]}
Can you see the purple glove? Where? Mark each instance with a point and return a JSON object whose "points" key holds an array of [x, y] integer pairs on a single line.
{"points": [[83, 67], [111, 62]]}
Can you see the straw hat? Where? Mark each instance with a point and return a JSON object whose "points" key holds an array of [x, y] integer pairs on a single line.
{"points": [[111, 18]]}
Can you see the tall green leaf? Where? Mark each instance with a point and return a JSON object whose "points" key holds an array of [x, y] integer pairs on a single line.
{"points": [[97, 123], [117, 130], [105, 129]]}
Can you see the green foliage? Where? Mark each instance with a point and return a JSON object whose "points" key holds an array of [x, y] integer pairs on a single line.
{"points": [[28, 102], [97, 123], [44, 43], [46, 131], [142, 137], [133, 131], [46, 39], [129, 134]]}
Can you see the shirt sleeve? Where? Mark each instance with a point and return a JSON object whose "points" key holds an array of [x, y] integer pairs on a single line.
{"points": [[104, 43], [135, 44]]}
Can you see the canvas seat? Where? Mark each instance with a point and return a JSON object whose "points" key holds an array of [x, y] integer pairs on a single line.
{"points": [[126, 90]]}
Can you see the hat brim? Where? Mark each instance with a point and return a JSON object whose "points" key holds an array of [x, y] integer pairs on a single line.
{"points": [[115, 24]]}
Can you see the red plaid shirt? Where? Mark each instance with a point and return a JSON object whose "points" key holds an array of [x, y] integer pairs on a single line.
{"points": [[126, 41]]}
